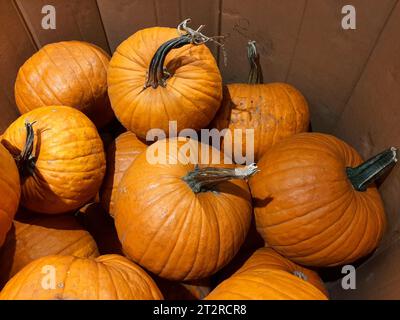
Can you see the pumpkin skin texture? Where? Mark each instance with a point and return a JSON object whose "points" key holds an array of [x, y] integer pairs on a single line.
{"points": [[172, 231], [306, 207], [274, 111], [10, 191], [70, 160], [71, 73], [120, 155], [108, 277], [268, 276], [36, 236], [192, 94]]}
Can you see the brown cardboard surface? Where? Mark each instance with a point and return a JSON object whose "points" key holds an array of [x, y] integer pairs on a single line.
{"points": [[329, 60], [75, 20], [274, 25], [370, 121], [122, 18], [15, 47]]}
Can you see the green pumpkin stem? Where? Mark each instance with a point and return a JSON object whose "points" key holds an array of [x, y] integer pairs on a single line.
{"points": [[255, 74], [25, 160], [205, 179], [372, 169], [157, 74]]}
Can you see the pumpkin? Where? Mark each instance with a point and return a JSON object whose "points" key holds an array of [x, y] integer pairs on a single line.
{"points": [[101, 226], [71, 73], [60, 156], [178, 220], [36, 236], [10, 192], [150, 84], [315, 201], [274, 111], [266, 275], [120, 155], [108, 277], [192, 290]]}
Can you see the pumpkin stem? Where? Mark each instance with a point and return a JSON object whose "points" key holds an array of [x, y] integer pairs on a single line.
{"points": [[369, 171], [255, 74], [204, 179], [157, 74], [25, 160]]}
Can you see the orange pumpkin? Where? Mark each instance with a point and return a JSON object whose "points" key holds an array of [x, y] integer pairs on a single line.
{"points": [[36, 236], [60, 156], [10, 192], [70, 73], [192, 290], [179, 221], [108, 277], [274, 111], [120, 155], [315, 202], [266, 275], [144, 95]]}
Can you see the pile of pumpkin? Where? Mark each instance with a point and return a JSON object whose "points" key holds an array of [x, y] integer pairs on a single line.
{"points": [[79, 223]]}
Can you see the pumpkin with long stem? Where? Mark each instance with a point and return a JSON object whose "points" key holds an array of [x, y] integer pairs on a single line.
{"points": [[108, 277], [36, 236], [120, 155], [159, 75], [274, 111], [10, 191], [178, 220], [266, 275], [70, 73], [60, 157], [316, 202]]}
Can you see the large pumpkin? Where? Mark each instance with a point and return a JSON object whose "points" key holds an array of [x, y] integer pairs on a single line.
{"points": [[108, 277], [10, 192], [179, 221], [36, 236], [274, 111], [266, 275], [120, 155], [60, 156], [314, 201], [150, 84], [70, 73]]}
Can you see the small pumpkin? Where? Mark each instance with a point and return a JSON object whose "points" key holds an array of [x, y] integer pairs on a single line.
{"points": [[120, 155], [180, 221], [266, 275], [108, 277], [36, 236], [315, 201], [70, 73], [150, 84], [10, 191], [192, 290], [274, 111], [60, 157]]}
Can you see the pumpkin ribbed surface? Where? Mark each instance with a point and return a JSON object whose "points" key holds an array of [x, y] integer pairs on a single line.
{"points": [[108, 277], [10, 191], [191, 96], [69, 158], [306, 207], [268, 276]]}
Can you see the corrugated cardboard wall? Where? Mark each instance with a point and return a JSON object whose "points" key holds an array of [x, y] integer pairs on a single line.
{"points": [[350, 77]]}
